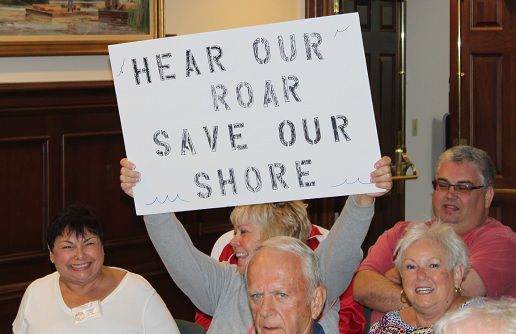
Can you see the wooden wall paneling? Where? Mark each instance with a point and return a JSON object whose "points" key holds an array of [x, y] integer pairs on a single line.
{"points": [[386, 86], [24, 209], [388, 15], [60, 143], [485, 109], [486, 14], [503, 209], [90, 166], [49, 163], [364, 12], [24, 193]]}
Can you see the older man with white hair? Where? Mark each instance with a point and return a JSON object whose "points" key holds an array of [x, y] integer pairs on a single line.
{"points": [[284, 287], [495, 316]]}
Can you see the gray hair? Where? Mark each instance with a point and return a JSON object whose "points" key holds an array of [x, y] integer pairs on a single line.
{"points": [[494, 316], [311, 270], [464, 153], [442, 234]]}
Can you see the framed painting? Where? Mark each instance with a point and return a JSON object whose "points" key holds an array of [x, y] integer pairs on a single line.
{"points": [[75, 27]]}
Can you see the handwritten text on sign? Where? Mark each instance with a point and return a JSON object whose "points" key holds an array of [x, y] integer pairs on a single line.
{"points": [[260, 114]]}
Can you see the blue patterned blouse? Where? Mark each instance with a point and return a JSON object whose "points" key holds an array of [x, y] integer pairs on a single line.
{"points": [[391, 323]]}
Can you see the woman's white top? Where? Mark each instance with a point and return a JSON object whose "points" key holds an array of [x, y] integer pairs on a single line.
{"points": [[132, 307]]}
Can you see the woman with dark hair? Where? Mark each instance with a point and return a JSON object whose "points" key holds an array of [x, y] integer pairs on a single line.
{"points": [[83, 295]]}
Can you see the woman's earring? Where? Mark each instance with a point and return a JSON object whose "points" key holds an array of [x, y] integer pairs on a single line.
{"points": [[458, 291]]}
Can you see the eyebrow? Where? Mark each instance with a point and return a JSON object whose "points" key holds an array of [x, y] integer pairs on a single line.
{"points": [[426, 259], [85, 240], [460, 181]]}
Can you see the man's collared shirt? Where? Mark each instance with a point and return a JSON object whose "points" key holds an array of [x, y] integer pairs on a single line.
{"points": [[318, 328]]}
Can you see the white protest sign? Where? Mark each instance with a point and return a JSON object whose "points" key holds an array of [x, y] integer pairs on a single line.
{"points": [[260, 114]]}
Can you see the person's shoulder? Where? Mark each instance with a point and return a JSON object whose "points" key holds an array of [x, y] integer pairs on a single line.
{"points": [[493, 228], [495, 224], [136, 282], [136, 278], [45, 281], [398, 228], [401, 225], [41, 287]]}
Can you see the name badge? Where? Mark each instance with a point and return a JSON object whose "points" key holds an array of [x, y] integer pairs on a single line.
{"points": [[86, 312]]}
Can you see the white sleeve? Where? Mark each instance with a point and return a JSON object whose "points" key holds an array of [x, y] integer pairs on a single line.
{"points": [[20, 322], [157, 318]]}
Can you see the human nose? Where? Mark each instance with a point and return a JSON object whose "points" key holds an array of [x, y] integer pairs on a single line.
{"points": [[451, 191], [267, 306], [421, 273], [235, 240], [79, 252]]}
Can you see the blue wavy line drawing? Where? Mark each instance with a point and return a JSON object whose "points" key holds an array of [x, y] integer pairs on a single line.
{"points": [[167, 198], [340, 31], [121, 68], [346, 181]]}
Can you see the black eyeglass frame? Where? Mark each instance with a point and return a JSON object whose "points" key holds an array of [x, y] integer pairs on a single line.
{"points": [[458, 187]]}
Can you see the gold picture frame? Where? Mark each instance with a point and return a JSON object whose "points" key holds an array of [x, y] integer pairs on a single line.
{"points": [[65, 16]]}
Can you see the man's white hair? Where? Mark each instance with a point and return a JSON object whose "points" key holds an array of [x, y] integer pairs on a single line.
{"points": [[311, 270], [494, 316]]}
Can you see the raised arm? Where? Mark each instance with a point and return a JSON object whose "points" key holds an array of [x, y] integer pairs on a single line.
{"points": [[200, 277], [340, 252]]}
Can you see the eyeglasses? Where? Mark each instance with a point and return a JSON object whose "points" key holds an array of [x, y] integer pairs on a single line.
{"points": [[459, 187]]}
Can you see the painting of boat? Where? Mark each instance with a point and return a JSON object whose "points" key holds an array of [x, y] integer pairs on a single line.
{"points": [[75, 17], [75, 27], [53, 10]]}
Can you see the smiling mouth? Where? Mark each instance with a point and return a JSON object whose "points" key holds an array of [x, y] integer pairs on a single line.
{"points": [[80, 266], [450, 208], [241, 254], [424, 290]]}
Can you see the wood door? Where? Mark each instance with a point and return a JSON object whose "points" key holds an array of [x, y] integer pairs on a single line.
{"points": [[380, 33], [486, 116]]}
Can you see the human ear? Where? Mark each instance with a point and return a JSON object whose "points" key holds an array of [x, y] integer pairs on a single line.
{"points": [[489, 194], [458, 275], [317, 302], [51, 255]]}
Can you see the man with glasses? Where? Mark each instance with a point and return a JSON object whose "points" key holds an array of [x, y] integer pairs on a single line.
{"points": [[463, 192]]}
